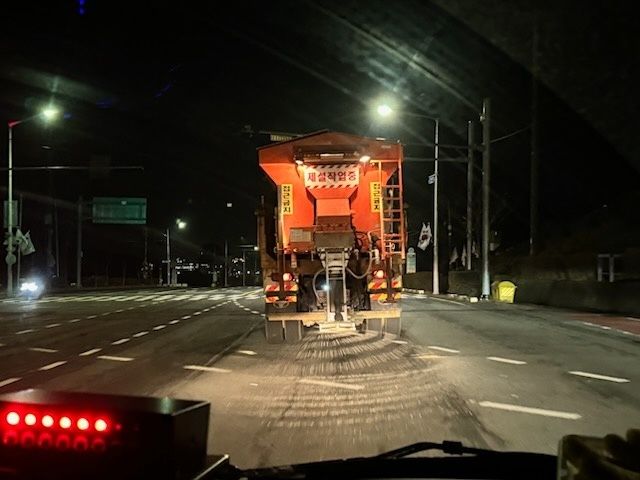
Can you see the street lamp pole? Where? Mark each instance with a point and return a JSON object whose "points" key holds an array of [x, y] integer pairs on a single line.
{"points": [[436, 273], [48, 114], [168, 259], [10, 214]]}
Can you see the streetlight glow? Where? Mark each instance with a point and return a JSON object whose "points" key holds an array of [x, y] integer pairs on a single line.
{"points": [[50, 113], [384, 110], [181, 224]]}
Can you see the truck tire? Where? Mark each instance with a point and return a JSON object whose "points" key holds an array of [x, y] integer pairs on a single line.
{"points": [[273, 331], [374, 325], [394, 326], [293, 331]]}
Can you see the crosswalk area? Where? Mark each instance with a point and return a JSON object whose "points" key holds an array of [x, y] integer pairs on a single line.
{"points": [[150, 296]]}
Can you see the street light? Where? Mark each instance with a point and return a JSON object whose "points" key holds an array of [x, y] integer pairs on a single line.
{"points": [[181, 224], [385, 110], [49, 113]]}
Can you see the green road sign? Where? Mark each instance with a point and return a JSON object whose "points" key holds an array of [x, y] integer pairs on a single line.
{"points": [[120, 210]]}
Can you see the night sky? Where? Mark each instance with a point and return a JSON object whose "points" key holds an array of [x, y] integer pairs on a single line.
{"points": [[175, 89]]}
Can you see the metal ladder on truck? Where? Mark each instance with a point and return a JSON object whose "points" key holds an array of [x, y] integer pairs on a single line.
{"points": [[392, 225]]}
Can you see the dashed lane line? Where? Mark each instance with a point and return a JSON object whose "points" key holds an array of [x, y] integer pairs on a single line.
{"points": [[9, 381], [399, 342], [53, 365], [185, 317], [173, 322], [443, 349], [74, 320], [203, 368], [140, 334], [52, 325], [531, 410], [507, 360], [325, 383], [121, 341], [159, 327], [598, 376], [43, 350], [22, 332], [91, 316], [115, 359], [246, 352], [89, 352]]}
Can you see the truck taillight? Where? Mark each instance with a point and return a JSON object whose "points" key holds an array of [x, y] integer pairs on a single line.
{"points": [[287, 277], [378, 274]]}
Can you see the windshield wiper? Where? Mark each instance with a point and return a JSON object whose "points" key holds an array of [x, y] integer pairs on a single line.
{"points": [[448, 447]]}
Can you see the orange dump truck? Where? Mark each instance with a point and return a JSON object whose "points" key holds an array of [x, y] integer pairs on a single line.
{"points": [[339, 235]]}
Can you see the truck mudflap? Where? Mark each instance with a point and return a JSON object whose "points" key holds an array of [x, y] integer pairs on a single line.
{"points": [[272, 293], [380, 294]]}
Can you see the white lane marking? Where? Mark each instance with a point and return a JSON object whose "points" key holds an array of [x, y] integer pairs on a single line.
{"points": [[53, 365], [105, 313], [633, 318], [173, 322], [74, 320], [185, 317], [52, 325], [531, 410], [159, 327], [325, 383], [121, 341], [459, 304], [399, 342], [597, 376], [115, 359], [140, 334], [89, 352], [9, 381], [427, 356], [28, 330], [131, 308], [197, 313], [443, 349], [43, 350], [203, 368], [507, 360], [246, 352], [120, 310], [91, 316], [590, 324]]}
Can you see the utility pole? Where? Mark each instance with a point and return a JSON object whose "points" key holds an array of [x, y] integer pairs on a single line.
{"points": [[19, 252], [486, 191], [226, 263], [79, 246], [244, 268], [436, 273], [10, 257], [535, 159], [470, 154], [168, 259]]}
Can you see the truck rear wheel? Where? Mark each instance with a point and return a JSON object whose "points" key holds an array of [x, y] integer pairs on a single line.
{"points": [[293, 331], [394, 326], [273, 331]]}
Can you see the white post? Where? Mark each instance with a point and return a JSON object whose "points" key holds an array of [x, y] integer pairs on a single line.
{"points": [[436, 274], [486, 192]]}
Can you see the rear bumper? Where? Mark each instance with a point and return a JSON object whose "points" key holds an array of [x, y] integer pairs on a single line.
{"points": [[313, 318]]}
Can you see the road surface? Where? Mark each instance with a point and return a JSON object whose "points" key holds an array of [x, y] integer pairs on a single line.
{"points": [[498, 376]]}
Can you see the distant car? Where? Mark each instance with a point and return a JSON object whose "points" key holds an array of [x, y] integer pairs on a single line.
{"points": [[31, 288]]}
